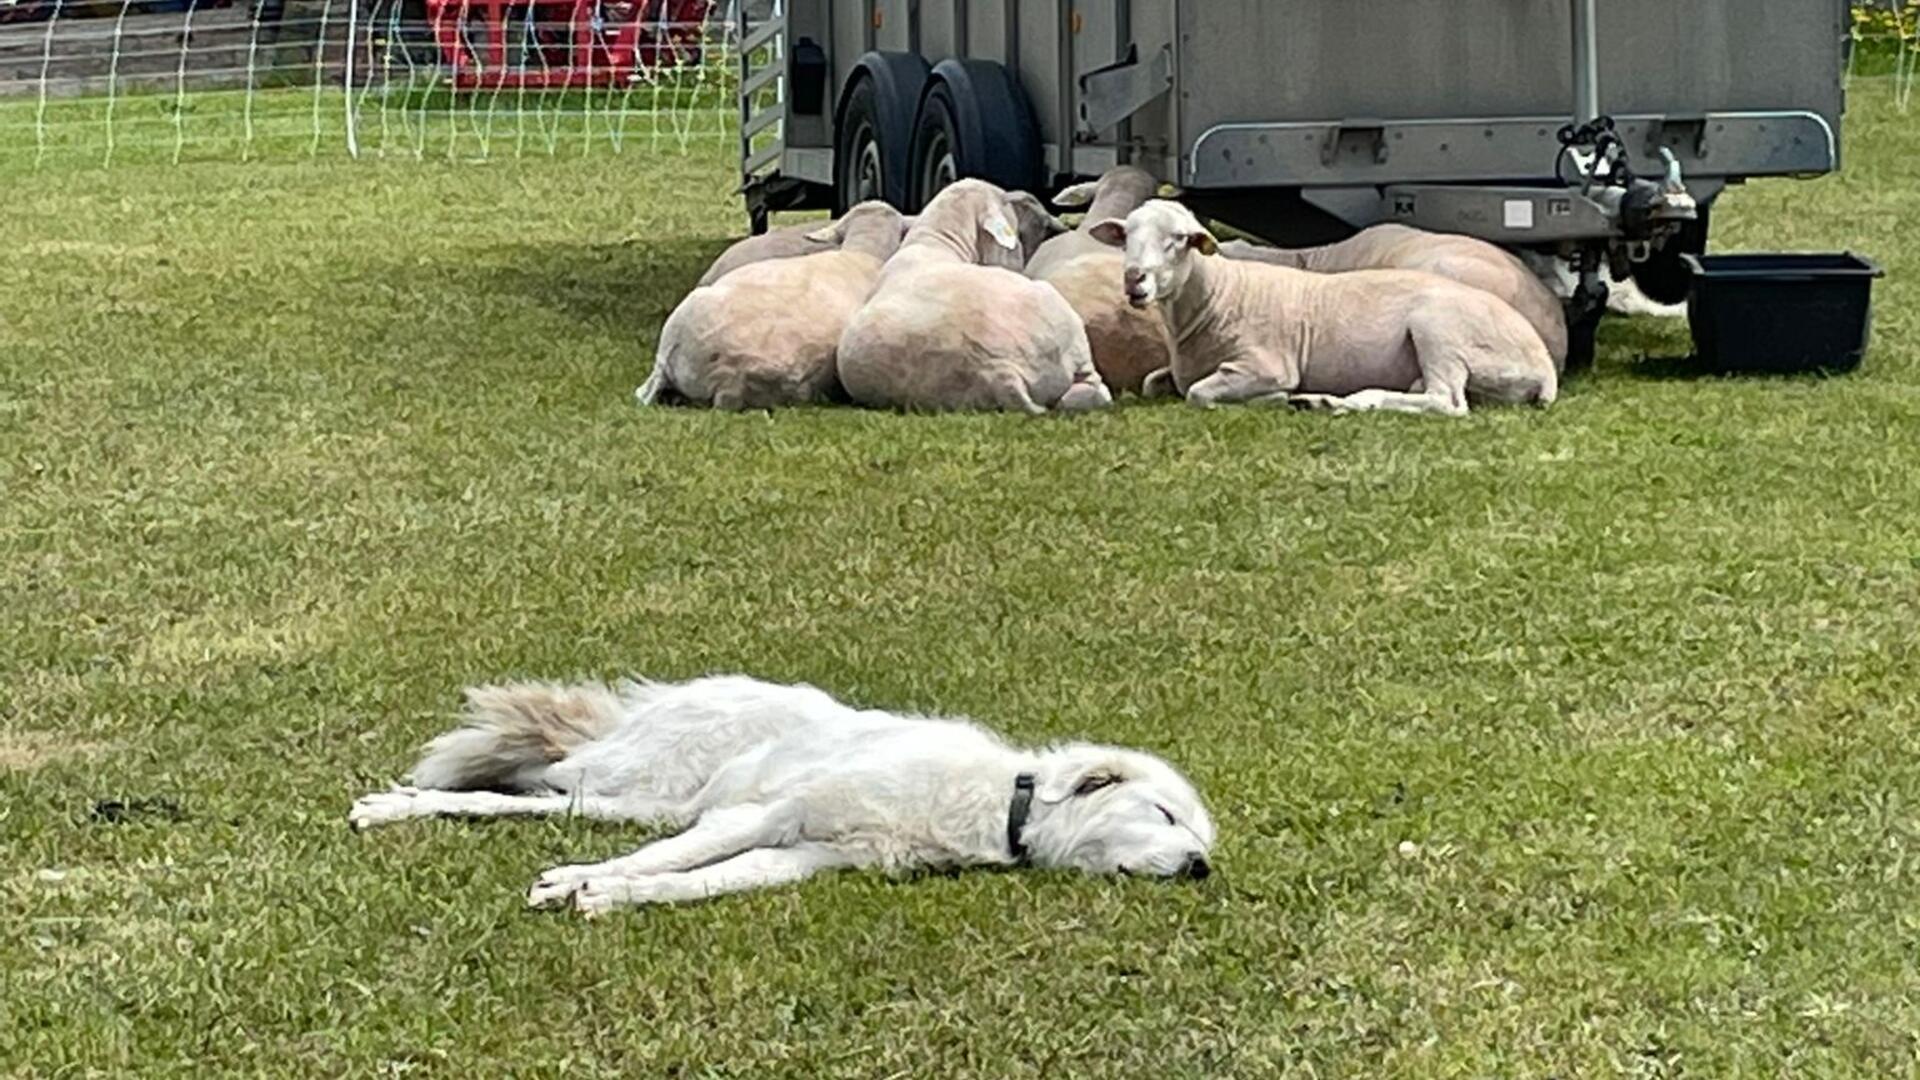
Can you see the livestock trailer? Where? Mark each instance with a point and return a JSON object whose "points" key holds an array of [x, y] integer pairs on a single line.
{"points": [[1601, 132]]}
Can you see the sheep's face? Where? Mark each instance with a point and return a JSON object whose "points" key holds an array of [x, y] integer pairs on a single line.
{"points": [[1036, 224], [1161, 239]]}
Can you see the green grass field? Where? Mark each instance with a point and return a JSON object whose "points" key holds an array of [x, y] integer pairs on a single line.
{"points": [[1576, 743], [408, 121]]}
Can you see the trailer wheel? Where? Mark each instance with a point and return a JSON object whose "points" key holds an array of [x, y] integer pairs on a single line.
{"points": [[873, 132], [974, 122], [1665, 277]]}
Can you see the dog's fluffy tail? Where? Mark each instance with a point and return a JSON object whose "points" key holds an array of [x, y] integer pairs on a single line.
{"points": [[513, 732]]}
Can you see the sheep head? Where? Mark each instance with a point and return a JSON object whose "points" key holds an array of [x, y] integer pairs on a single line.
{"points": [[872, 228], [978, 220], [1120, 192], [1161, 240], [1036, 223]]}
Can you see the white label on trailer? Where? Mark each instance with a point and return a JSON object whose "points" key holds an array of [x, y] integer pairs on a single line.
{"points": [[1519, 213]]}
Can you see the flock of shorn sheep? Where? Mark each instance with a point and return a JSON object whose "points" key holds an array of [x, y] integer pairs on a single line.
{"points": [[988, 301]]}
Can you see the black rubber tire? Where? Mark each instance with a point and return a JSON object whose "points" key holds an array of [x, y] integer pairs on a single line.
{"points": [[975, 117], [873, 130], [1666, 278]]}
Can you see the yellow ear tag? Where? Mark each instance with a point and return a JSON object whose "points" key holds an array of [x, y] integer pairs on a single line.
{"points": [[1002, 231]]}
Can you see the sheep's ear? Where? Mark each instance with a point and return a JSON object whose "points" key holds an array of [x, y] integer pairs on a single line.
{"points": [[826, 234], [1078, 195], [1204, 243], [999, 226], [1080, 772], [1111, 232]]}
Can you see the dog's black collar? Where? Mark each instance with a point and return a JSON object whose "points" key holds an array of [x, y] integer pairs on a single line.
{"points": [[1017, 811]]}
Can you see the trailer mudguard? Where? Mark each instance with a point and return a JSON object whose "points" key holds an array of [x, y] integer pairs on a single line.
{"points": [[897, 81], [998, 138]]}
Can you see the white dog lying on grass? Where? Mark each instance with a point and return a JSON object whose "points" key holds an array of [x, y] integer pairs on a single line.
{"points": [[782, 782]]}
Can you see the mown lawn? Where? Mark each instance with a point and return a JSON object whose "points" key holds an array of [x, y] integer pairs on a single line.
{"points": [[1571, 743]]}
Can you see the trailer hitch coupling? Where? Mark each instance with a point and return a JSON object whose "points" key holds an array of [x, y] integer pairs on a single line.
{"points": [[1645, 212], [1646, 209]]}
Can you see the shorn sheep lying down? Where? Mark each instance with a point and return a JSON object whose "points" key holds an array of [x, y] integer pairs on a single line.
{"points": [[792, 242], [1464, 259], [796, 241], [1390, 340], [1128, 343], [765, 335], [954, 326]]}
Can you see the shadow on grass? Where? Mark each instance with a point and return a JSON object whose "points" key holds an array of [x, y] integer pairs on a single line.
{"points": [[1661, 350], [632, 283], [1682, 368], [1692, 368], [1653, 350]]}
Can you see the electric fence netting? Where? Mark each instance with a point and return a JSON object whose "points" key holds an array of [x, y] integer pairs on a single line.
{"points": [[101, 82]]}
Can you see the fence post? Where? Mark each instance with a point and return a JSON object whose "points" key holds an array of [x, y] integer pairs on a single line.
{"points": [[353, 22]]}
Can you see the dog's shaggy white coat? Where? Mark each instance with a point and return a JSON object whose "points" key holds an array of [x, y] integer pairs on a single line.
{"points": [[781, 782]]}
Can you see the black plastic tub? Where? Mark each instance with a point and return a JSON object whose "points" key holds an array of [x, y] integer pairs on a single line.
{"points": [[1799, 312]]}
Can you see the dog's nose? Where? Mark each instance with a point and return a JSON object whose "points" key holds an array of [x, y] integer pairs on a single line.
{"points": [[1195, 868]]}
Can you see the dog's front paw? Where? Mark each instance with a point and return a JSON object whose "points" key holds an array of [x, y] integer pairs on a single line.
{"points": [[382, 808], [597, 896], [557, 884]]}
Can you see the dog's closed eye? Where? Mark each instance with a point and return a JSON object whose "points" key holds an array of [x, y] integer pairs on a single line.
{"points": [[1095, 782]]}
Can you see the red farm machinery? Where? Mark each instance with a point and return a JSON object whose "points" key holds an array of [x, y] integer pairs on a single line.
{"points": [[566, 44]]}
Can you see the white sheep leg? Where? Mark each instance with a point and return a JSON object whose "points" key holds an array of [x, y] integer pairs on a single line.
{"points": [[1160, 384], [1441, 349], [1011, 394], [717, 835], [1233, 383], [651, 391], [1456, 365], [1090, 396], [1418, 404], [756, 869]]}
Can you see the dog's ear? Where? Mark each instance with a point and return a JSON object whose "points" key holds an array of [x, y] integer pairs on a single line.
{"points": [[1081, 771]]}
